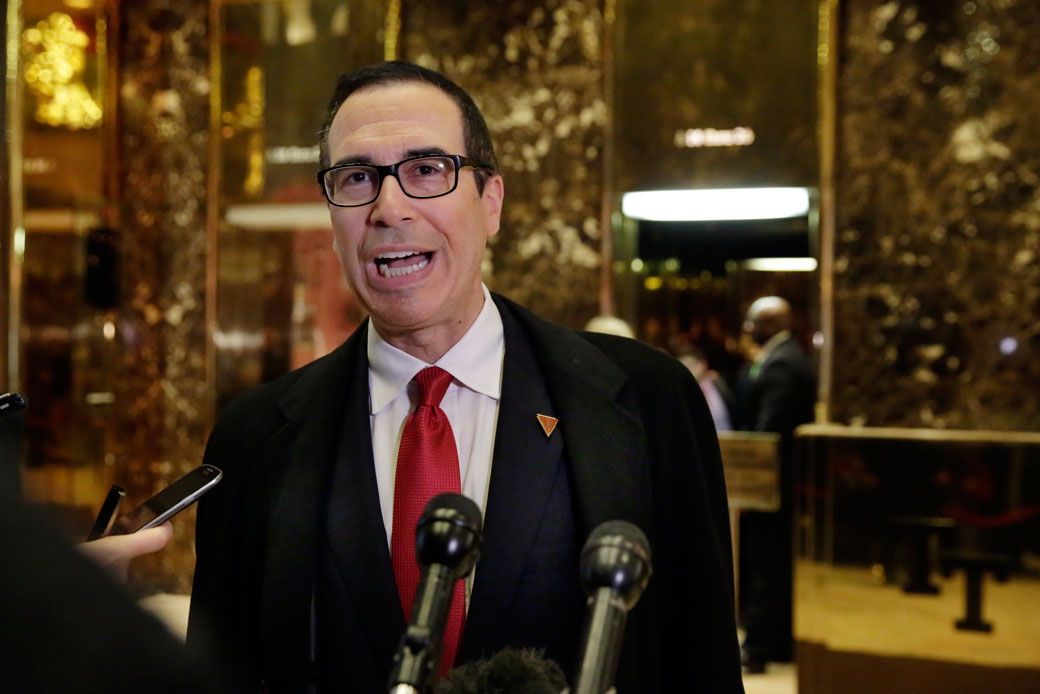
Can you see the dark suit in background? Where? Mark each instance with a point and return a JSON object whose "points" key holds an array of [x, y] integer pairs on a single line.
{"points": [[774, 395], [298, 515]]}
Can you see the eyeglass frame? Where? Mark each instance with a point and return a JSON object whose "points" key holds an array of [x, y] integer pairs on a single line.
{"points": [[391, 170]]}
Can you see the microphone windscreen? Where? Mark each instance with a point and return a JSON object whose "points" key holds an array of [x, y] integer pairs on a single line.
{"points": [[616, 533], [449, 533], [448, 505], [510, 671], [616, 556]]}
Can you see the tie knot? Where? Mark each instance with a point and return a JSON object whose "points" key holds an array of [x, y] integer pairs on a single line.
{"points": [[433, 383]]}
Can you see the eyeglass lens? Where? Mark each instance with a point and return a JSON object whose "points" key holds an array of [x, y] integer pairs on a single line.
{"points": [[420, 178]]}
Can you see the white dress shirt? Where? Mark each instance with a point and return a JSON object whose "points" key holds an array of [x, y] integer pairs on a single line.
{"points": [[471, 403]]}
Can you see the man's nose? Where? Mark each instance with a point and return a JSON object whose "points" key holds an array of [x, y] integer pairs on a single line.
{"points": [[392, 206]]}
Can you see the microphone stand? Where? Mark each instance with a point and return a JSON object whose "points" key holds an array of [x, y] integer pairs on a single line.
{"points": [[447, 543], [419, 651]]}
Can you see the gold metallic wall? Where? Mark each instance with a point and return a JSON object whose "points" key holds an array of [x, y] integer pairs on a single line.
{"points": [[721, 65], [937, 231], [5, 218], [935, 275], [162, 379], [536, 71]]}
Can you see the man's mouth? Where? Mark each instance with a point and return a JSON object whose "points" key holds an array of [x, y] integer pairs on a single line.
{"points": [[401, 263]]}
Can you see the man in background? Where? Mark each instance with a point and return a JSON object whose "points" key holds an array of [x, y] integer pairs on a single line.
{"points": [[776, 393], [716, 392]]}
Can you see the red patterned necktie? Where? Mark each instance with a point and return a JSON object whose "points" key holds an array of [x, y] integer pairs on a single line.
{"points": [[427, 465]]}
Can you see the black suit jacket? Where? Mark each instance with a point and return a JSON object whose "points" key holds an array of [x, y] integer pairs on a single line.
{"points": [[782, 395], [635, 441]]}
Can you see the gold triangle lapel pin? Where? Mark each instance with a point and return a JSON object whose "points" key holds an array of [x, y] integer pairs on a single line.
{"points": [[548, 423]]}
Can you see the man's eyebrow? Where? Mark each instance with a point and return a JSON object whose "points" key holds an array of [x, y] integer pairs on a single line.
{"points": [[362, 160], [354, 161], [425, 151]]}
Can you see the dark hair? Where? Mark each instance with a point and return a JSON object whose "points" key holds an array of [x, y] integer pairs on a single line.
{"points": [[475, 133], [510, 671]]}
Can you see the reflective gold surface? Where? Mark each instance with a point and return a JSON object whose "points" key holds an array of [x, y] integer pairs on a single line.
{"points": [[929, 274], [14, 235], [936, 279], [54, 54], [165, 411], [535, 70], [888, 523]]}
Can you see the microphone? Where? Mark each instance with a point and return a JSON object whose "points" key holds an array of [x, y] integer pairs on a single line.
{"points": [[11, 403], [615, 568], [447, 543]]}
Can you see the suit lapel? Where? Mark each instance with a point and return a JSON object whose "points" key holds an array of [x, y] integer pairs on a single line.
{"points": [[549, 370], [299, 463], [356, 534], [602, 435], [525, 463]]}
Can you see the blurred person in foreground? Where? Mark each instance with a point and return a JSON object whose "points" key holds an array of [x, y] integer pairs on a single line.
{"points": [[775, 393], [305, 570], [67, 626]]}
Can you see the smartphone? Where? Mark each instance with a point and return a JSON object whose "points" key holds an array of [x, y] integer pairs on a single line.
{"points": [[107, 515], [169, 502]]}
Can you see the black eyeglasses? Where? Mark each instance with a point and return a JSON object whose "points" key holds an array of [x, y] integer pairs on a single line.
{"points": [[425, 176]]}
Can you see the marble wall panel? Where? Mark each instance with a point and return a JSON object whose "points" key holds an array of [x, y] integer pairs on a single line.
{"points": [[5, 224], [721, 65], [162, 386], [535, 69], [937, 234]]}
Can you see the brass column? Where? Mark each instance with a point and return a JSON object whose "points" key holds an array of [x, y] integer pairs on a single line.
{"points": [[163, 389]]}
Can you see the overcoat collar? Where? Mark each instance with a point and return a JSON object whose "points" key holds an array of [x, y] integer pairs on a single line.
{"points": [[604, 446], [299, 460]]}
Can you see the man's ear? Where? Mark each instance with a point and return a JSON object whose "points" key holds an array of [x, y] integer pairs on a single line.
{"points": [[494, 191]]}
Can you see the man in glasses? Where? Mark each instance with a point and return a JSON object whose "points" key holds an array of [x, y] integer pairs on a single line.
{"points": [[304, 550]]}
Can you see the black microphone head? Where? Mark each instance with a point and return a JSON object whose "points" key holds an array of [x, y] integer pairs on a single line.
{"points": [[11, 403], [617, 556], [449, 533]]}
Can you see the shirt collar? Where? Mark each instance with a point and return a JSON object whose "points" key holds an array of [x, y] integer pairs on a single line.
{"points": [[771, 344], [475, 360]]}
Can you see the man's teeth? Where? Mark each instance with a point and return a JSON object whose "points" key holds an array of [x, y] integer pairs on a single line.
{"points": [[386, 271]]}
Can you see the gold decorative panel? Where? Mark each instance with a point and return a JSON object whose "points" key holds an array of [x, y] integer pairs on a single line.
{"points": [[893, 529], [165, 396], [54, 51], [937, 232], [715, 94], [536, 72]]}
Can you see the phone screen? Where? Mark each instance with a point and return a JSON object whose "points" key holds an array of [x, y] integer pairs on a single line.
{"points": [[170, 501]]}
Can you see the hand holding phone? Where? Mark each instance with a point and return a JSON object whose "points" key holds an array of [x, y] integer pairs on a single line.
{"points": [[115, 552], [169, 502]]}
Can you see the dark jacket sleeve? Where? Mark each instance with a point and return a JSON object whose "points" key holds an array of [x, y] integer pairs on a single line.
{"points": [[688, 615], [224, 616]]}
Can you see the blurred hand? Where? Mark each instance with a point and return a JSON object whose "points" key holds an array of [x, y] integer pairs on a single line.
{"points": [[115, 552]]}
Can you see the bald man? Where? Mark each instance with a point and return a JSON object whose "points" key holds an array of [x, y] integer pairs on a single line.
{"points": [[776, 393]]}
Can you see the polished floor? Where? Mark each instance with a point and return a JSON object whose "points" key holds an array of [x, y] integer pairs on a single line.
{"points": [[779, 678], [845, 608]]}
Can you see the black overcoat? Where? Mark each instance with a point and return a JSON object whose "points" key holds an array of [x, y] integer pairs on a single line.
{"points": [[296, 520]]}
